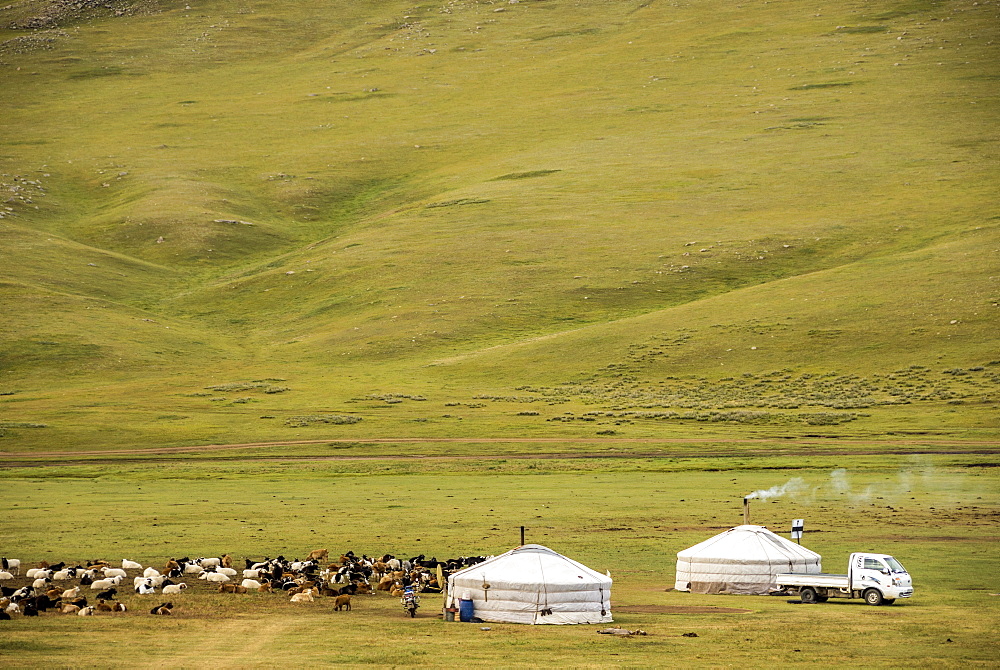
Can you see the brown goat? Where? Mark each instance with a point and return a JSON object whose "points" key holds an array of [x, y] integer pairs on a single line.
{"points": [[319, 555], [342, 602]]}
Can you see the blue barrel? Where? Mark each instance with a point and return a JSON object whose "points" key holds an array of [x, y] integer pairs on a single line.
{"points": [[465, 610]]}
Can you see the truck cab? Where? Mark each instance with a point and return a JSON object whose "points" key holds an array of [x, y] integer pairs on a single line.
{"points": [[879, 578]]}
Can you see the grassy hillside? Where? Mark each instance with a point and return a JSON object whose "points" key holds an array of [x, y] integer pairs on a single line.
{"points": [[470, 218]]}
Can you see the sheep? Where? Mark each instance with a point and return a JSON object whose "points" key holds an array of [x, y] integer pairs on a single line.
{"points": [[159, 580], [62, 575], [193, 569], [105, 583], [11, 564], [145, 588], [171, 589], [150, 572], [86, 611], [342, 602], [130, 565], [33, 573], [304, 597], [39, 583], [4, 575], [228, 572], [216, 577], [115, 572], [162, 609], [250, 584], [209, 562], [250, 573], [69, 594]]}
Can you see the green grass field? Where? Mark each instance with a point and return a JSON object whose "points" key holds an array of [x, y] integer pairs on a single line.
{"points": [[936, 514], [280, 274]]}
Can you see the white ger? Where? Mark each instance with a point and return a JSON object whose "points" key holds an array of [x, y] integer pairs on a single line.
{"points": [[878, 578]]}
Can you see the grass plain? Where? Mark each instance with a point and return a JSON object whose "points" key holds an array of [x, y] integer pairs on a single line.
{"points": [[597, 268], [937, 514]]}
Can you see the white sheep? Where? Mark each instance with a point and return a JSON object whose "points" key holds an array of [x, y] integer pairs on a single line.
{"points": [[150, 572], [251, 573], [62, 575], [130, 565], [106, 583], [228, 572], [158, 580], [69, 594], [32, 573], [209, 562], [170, 589], [12, 564], [193, 569], [304, 597], [250, 583], [39, 583], [114, 572], [215, 577], [4, 576], [86, 611]]}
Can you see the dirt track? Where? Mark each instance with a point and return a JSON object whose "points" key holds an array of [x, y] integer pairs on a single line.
{"points": [[764, 447]]}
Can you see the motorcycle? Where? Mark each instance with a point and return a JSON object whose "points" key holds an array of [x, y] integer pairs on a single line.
{"points": [[410, 601]]}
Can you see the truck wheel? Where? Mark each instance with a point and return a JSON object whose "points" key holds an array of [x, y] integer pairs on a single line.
{"points": [[874, 597], [822, 599], [888, 601], [808, 595]]}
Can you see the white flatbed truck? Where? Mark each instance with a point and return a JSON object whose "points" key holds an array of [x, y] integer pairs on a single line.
{"points": [[878, 578]]}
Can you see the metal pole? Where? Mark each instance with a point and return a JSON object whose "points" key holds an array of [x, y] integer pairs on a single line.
{"points": [[522, 536]]}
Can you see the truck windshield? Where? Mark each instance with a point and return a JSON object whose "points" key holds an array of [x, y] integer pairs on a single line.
{"points": [[894, 565]]}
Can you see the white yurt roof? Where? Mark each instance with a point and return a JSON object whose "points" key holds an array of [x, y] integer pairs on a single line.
{"points": [[744, 559], [533, 584]]}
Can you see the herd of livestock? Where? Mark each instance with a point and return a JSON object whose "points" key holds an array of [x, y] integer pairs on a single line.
{"points": [[64, 588]]}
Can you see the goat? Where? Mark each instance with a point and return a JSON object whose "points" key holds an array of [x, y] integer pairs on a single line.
{"points": [[69, 609], [265, 588], [11, 564], [108, 595], [342, 602], [162, 609], [227, 561], [318, 555]]}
